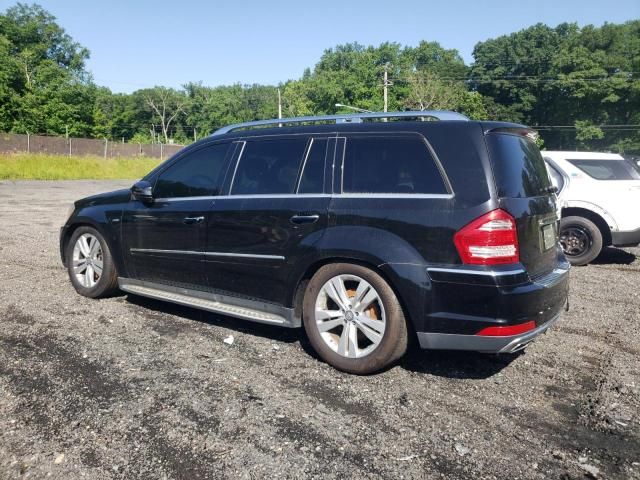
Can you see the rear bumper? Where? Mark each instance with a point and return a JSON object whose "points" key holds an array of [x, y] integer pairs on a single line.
{"points": [[507, 344], [466, 300], [629, 238]]}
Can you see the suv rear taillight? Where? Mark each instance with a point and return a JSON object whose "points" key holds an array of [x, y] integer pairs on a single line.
{"points": [[489, 240]]}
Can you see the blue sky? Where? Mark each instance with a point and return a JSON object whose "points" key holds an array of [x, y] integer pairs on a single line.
{"points": [[141, 43]]}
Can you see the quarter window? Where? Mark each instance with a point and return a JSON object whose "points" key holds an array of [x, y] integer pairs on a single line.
{"points": [[197, 174], [400, 164], [269, 167]]}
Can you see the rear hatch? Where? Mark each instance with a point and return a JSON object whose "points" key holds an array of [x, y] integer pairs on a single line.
{"points": [[524, 190]]}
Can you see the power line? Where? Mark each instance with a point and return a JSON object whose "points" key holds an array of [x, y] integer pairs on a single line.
{"points": [[526, 78]]}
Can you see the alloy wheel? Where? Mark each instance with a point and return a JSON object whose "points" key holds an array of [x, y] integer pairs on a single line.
{"points": [[350, 316], [87, 260]]}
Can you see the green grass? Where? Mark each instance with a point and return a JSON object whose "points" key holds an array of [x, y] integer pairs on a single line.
{"points": [[24, 166]]}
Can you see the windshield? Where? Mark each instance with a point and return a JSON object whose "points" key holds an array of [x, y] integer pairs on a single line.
{"points": [[607, 169]]}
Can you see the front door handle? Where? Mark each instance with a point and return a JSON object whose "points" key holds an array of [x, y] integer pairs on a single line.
{"points": [[193, 220], [301, 219]]}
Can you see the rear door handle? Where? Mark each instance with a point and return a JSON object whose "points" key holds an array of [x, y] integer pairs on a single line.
{"points": [[302, 219], [193, 220]]}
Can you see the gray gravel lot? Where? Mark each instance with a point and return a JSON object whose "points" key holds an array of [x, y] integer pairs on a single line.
{"points": [[132, 388]]}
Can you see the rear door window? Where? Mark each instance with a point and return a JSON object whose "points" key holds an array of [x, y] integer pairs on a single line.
{"points": [[394, 164], [268, 167], [518, 167], [607, 169], [312, 176]]}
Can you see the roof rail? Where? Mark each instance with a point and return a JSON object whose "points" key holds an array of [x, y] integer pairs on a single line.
{"points": [[343, 118]]}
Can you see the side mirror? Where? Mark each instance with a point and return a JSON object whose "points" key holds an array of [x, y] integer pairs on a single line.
{"points": [[142, 191]]}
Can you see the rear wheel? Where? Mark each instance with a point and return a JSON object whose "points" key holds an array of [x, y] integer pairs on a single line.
{"points": [[90, 264], [581, 240], [353, 319]]}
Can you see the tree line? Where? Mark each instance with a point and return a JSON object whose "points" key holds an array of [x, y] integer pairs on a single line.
{"points": [[579, 86]]}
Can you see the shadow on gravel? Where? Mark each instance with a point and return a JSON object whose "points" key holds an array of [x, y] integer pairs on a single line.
{"points": [[453, 364], [612, 255], [159, 309], [447, 364]]}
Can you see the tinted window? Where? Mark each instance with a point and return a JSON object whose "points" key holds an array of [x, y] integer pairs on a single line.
{"points": [[199, 173], [518, 167], [400, 164], [635, 163], [312, 179], [269, 167], [607, 169], [557, 180]]}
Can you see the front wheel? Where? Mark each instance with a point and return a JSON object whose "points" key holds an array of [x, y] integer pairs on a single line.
{"points": [[581, 240], [353, 319], [90, 264]]}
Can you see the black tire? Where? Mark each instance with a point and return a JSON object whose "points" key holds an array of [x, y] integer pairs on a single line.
{"points": [[393, 344], [107, 283], [581, 240]]}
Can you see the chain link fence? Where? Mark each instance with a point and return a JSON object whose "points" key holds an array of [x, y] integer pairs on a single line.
{"points": [[20, 143]]}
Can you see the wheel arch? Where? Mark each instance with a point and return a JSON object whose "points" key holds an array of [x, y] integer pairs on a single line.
{"points": [[596, 218], [89, 222], [296, 296], [68, 233]]}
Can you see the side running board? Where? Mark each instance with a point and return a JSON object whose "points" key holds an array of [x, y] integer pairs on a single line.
{"points": [[233, 306]]}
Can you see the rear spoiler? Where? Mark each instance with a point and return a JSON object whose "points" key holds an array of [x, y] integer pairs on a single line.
{"points": [[521, 131]]}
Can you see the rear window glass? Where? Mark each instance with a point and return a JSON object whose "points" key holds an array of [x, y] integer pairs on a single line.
{"points": [[401, 164], [269, 167], [518, 167], [607, 169]]}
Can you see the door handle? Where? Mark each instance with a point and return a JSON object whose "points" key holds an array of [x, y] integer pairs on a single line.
{"points": [[193, 220], [301, 219]]}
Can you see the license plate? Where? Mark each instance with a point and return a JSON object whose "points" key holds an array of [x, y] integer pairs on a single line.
{"points": [[548, 236]]}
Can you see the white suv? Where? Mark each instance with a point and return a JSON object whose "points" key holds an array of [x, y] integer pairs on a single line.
{"points": [[599, 202]]}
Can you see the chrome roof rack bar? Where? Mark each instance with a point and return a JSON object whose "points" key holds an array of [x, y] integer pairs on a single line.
{"points": [[344, 118]]}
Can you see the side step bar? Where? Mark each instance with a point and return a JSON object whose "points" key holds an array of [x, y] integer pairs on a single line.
{"points": [[252, 310]]}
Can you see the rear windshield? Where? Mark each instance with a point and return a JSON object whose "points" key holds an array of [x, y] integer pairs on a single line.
{"points": [[518, 167], [607, 169]]}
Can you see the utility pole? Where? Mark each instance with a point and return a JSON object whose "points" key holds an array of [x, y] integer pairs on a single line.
{"points": [[195, 136], [279, 104], [386, 83]]}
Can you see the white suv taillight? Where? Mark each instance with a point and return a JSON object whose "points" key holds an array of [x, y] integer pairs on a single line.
{"points": [[491, 239]]}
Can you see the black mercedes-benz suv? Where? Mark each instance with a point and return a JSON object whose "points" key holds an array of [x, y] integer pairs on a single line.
{"points": [[366, 232]]}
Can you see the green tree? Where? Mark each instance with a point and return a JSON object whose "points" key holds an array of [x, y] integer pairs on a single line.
{"points": [[428, 92], [44, 86], [565, 76], [55, 103]]}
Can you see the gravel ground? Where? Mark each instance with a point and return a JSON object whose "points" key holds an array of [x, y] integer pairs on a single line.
{"points": [[132, 388]]}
